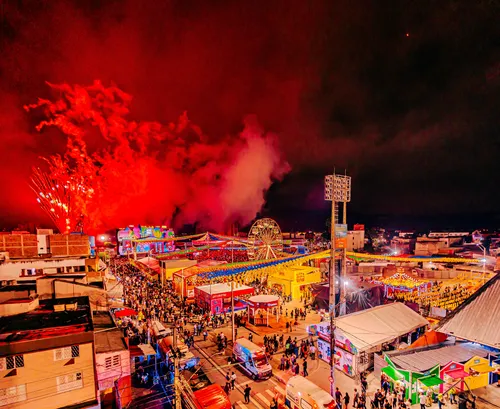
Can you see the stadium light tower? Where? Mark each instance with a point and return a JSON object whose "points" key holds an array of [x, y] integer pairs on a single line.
{"points": [[337, 189]]}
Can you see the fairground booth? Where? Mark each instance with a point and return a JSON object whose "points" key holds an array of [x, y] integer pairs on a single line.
{"points": [[262, 309], [217, 297], [359, 336], [403, 284], [294, 280], [437, 368]]}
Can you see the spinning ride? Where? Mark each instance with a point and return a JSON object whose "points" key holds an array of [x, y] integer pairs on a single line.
{"points": [[265, 240]]}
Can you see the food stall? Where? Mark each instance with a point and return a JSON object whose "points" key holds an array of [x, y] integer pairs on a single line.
{"points": [[261, 308], [294, 280], [453, 374], [217, 297], [479, 372]]}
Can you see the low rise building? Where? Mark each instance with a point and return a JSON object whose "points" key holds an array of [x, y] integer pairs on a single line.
{"points": [[112, 362], [355, 240], [47, 357]]}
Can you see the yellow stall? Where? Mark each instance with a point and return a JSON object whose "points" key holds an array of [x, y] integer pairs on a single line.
{"points": [[479, 370], [295, 280]]}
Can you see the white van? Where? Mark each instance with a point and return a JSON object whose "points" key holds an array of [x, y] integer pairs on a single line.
{"points": [[252, 359], [303, 394]]}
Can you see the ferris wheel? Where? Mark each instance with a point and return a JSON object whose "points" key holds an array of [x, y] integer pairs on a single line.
{"points": [[265, 240]]}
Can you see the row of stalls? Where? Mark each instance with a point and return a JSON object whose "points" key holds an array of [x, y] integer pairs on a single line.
{"points": [[462, 365], [359, 336]]}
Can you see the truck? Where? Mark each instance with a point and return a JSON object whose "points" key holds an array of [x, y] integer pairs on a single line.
{"points": [[252, 359], [303, 394]]}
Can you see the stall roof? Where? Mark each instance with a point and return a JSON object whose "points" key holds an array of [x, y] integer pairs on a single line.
{"points": [[392, 373], [478, 317], [457, 374], [220, 288], [431, 380], [377, 325], [482, 368], [421, 361]]}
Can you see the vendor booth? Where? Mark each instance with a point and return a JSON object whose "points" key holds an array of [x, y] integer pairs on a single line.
{"points": [[479, 372], [446, 362], [453, 374], [294, 280], [358, 336], [261, 309], [399, 284], [217, 297]]}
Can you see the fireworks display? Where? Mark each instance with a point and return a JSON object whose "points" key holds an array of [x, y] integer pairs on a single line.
{"points": [[147, 172]]}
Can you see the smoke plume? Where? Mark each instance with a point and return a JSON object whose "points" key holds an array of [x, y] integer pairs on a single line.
{"points": [[120, 171]]}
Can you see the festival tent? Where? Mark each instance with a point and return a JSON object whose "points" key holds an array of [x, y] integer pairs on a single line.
{"points": [[477, 318], [360, 296], [429, 338]]}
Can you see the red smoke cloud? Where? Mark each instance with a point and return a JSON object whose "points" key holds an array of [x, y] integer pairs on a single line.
{"points": [[147, 172]]}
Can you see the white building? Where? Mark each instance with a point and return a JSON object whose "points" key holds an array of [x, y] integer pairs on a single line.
{"points": [[355, 240]]}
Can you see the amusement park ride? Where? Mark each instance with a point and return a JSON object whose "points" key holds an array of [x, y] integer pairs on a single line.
{"points": [[265, 240]]}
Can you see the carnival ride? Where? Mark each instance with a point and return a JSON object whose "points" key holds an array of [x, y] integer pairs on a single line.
{"points": [[265, 240]]}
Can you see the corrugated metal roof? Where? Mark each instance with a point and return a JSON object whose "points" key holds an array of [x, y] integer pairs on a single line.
{"points": [[375, 326], [478, 318], [421, 361]]}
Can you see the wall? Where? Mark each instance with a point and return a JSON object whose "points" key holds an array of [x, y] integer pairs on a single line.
{"points": [[355, 240], [12, 271], [61, 288], [19, 245], [40, 373], [18, 307], [106, 377]]}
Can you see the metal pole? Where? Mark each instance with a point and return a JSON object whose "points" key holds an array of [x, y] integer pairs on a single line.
{"points": [[178, 404], [332, 297], [232, 311]]}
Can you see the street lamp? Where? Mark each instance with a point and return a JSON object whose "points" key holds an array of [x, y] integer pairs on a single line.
{"points": [[337, 189]]}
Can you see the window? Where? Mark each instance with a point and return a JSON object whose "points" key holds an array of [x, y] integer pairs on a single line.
{"points": [[69, 382], [11, 395], [112, 361], [66, 353], [11, 362]]}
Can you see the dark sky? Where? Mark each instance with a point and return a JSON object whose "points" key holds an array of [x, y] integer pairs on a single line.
{"points": [[403, 94]]}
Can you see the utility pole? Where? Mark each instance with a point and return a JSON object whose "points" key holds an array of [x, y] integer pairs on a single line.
{"points": [[177, 383], [232, 312]]}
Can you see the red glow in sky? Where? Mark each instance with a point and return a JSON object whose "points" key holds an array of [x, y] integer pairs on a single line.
{"points": [[141, 171]]}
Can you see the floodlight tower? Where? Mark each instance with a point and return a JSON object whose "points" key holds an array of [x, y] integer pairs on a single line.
{"points": [[337, 189]]}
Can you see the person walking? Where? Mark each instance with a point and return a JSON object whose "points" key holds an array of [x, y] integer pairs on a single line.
{"points": [[422, 399], [304, 368], [347, 399], [355, 402], [233, 380], [247, 394]]}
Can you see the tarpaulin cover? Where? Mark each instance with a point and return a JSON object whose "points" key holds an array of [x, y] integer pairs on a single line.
{"points": [[126, 312], [212, 397], [429, 338], [365, 295]]}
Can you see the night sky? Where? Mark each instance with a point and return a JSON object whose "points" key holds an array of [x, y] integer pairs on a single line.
{"points": [[404, 95]]}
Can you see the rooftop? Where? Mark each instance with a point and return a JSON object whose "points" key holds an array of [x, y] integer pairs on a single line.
{"points": [[424, 359], [478, 317], [109, 341], [47, 321]]}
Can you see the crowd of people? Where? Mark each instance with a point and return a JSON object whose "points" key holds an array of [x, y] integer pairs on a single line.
{"points": [[441, 295]]}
